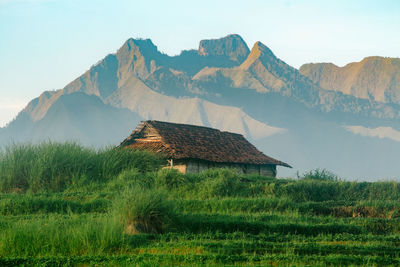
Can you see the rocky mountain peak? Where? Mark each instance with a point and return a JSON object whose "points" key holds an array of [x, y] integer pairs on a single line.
{"points": [[141, 44], [262, 50], [231, 46], [258, 52], [138, 57], [134, 48]]}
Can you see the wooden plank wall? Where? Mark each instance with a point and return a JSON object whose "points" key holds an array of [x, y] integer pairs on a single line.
{"points": [[192, 166]]}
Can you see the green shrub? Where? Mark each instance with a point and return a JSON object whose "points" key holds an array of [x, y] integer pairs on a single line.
{"points": [[319, 174]]}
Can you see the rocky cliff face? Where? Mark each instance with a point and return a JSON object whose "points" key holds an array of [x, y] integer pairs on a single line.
{"points": [[374, 78], [231, 46]]}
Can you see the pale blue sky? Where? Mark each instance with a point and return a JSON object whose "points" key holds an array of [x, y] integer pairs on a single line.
{"points": [[44, 44]]}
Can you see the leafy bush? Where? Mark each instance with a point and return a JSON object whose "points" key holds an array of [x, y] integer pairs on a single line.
{"points": [[319, 174]]}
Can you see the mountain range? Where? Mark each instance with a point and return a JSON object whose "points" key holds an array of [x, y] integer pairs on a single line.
{"points": [[345, 119], [374, 78]]}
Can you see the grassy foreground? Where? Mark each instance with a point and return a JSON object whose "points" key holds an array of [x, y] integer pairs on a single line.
{"points": [[65, 205]]}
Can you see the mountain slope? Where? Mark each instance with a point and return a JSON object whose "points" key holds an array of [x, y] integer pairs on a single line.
{"points": [[136, 96], [374, 78], [77, 117]]}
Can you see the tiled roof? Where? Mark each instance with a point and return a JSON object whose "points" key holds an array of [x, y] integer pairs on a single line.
{"points": [[183, 141]]}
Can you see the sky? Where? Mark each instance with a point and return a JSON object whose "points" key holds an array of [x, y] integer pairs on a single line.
{"points": [[45, 44]]}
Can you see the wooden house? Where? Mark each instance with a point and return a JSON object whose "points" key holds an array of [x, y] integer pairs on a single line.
{"points": [[192, 149]]}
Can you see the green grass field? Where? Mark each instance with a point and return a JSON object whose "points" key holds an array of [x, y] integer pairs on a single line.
{"points": [[65, 205]]}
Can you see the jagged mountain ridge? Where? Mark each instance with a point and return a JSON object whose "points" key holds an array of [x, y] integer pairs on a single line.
{"points": [[259, 69], [141, 58], [263, 72], [373, 78]]}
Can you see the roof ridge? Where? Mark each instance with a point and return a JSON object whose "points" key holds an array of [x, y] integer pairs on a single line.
{"points": [[192, 125]]}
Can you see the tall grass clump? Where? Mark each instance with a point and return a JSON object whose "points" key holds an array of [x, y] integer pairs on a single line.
{"points": [[211, 183], [112, 161], [169, 179], [19, 204], [328, 190], [62, 235], [52, 167], [220, 183], [49, 166], [310, 190], [144, 210]]}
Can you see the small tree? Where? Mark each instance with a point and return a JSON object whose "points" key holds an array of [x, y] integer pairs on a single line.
{"points": [[319, 174]]}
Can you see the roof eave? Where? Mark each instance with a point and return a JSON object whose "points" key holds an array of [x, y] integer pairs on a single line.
{"points": [[284, 165], [231, 162]]}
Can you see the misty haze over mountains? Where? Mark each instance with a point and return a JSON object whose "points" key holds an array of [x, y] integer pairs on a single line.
{"points": [[320, 116]]}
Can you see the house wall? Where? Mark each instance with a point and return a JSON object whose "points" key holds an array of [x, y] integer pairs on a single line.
{"points": [[193, 166], [252, 169], [268, 170]]}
